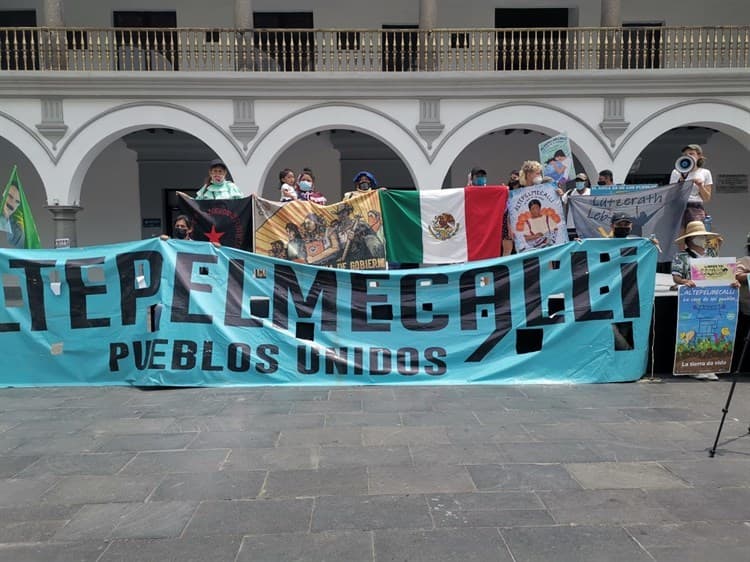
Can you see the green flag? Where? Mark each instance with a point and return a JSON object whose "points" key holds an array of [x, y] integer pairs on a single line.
{"points": [[16, 219]]}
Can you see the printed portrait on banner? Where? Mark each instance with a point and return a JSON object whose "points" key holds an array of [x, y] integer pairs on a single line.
{"points": [[536, 218], [557, 159]]}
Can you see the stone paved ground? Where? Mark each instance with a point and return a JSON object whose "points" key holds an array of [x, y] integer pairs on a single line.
{"points": [[584, 473]]}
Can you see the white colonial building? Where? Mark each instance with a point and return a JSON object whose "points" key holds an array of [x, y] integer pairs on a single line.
{"points": [[109, 107]]}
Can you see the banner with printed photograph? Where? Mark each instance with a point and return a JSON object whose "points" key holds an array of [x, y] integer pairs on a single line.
{"points": [[706, 329], [557, 159], [536, 217], [346, 235]]}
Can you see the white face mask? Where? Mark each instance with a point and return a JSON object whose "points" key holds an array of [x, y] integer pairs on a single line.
{"points": [[699, 241], [537, 180]]}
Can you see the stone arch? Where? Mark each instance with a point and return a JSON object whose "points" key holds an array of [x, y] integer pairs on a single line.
{"points": [[322, 117], [28, 143], [729, 118], [87, 142], [588, 146]]}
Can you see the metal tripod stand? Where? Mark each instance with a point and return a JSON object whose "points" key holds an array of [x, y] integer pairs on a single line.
{"points": [[725, 409]]}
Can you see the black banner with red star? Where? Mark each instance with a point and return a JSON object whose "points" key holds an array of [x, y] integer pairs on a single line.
{"points": [[228, 222]]}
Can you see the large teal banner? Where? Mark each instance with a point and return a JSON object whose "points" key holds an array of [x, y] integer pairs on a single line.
{"points": [[181, 313]]}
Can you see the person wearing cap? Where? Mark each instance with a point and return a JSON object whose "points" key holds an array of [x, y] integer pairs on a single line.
{"points": [[702, 184], [216, 185], [699, 243], [364, 181], [743, 319], [622, 225], [477, 177]]}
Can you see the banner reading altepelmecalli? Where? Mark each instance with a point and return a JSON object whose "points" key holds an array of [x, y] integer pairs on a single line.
{"points": [[345, 235], [443, 225], [656, 212], [184, 313], [16, 219], [706, 329], [223, 221], [536, 217]]}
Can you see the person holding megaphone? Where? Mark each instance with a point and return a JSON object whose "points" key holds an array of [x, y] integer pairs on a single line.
{"points": [[689, 167]]}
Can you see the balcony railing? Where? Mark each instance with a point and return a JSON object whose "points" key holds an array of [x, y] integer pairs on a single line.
{"points": [[392, 50]]}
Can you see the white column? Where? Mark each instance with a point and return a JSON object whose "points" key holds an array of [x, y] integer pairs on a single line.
{"points": [[611, 13], [64, 217], [53, 13], [243, 14], [427, 14]]}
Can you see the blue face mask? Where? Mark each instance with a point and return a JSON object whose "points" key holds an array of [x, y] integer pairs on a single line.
{"points": [[480, 181], [305, 185]]}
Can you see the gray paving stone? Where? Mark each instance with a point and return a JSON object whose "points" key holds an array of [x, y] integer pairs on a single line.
{"points": [[250, 408], [35, 523], [250, 517], [193, 424], [495, 433], [278, 458], [609, 475], [628, 452], [461, 454], [79, 443], [128, 520], [446, 419], [339, 457], [321, 436], [231, 439], [319, 482], [662, 414], [327, 407], [419, 480], [398, 404], [223, 485], [349, 546], [566, 451], [148, 442], [294, 394], [100, 489], [200, 549], [284, 421], [568, 431], [129, 426], [206, 460], [573, 544], [363, 419], [81, 551], [11, 465], [441, 545], [84, 464], [604, 507], [715, 534], [390, 436], [23, 491], [488, 509], [521, 477], [371, 392], [705, 504], [699, 553], [366, 513], [713, 473]]}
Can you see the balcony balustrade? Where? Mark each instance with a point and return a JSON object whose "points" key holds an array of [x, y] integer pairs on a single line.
{"points": [[361, 50]]}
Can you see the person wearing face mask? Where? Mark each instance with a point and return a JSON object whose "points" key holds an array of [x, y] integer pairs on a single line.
{"points": [[605, 178], [307, 190], [531, 173], [182, 228], [696, 239], [216, 185], [579, 187], [702, 184], [477, 177], [364, 182]]}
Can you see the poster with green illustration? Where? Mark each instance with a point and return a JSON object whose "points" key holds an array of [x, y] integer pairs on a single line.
{"points": [[706, 327]]}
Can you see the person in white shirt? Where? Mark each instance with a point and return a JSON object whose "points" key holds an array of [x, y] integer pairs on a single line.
{"points": [[703, 184]]}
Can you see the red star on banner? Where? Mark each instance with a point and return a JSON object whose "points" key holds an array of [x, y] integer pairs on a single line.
{"points": [[214, 236]]}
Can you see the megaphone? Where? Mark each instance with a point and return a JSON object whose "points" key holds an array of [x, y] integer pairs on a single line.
{"points": [[684, 165]]}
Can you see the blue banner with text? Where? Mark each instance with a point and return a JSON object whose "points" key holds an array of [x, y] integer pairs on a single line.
{"points": [[183, 313]]}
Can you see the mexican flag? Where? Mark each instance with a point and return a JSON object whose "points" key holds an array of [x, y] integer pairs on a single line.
{"points": [[443, 225], [16, 219]]}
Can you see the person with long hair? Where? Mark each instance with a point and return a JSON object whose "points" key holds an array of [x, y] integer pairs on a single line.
{"points": [[216, 185]]}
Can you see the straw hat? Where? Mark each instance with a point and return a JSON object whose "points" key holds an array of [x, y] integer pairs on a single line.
{"points": [[696, 228]]}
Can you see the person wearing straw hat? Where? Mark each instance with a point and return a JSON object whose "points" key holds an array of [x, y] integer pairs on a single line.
{"points": [[699, 243]]}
